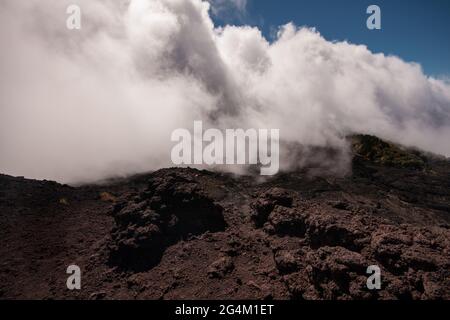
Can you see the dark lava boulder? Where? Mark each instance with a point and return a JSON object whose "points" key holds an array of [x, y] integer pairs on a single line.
{"points": [[173, 207], [267, 201], [334, 248]]}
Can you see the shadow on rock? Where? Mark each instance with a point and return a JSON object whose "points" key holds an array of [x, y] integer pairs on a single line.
{"points": [[172, 208]]}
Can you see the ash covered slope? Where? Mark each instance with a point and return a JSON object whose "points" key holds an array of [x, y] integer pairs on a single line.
{"points": [[187, 234]]}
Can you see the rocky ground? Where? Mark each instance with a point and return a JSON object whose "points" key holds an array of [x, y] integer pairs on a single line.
{"points": [[189, 234]]}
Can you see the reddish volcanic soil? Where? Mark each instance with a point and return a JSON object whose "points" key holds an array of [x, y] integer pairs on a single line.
{"points": [[188, 234]]}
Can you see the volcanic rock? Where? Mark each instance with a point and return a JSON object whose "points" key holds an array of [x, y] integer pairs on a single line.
{"points": [[189, 234], [171, 208]]}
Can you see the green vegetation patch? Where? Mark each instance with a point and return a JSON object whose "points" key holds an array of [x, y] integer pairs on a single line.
{"points": [[386, 153]]}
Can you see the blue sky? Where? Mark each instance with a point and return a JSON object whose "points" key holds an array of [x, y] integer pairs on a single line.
{"points": [[415, 30]]}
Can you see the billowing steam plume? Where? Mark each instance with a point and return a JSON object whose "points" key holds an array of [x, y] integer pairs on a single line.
{"points": [[78, 106]]}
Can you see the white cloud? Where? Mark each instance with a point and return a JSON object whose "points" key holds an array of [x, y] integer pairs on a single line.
{"points": [[82, 106]]}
